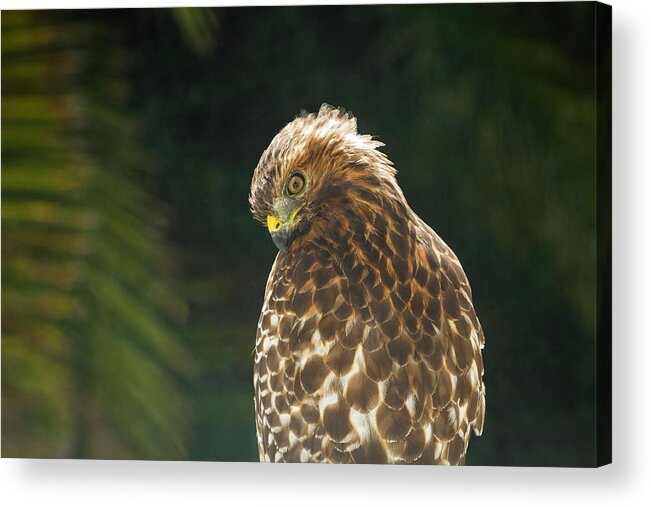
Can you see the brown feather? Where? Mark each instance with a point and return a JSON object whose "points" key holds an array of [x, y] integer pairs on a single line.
{"points": [[362, 393], [340, 359], [313, 374]]}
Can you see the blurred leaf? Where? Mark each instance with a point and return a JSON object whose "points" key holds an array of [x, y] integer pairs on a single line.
{"points": [[198, 27], [90, 355]]}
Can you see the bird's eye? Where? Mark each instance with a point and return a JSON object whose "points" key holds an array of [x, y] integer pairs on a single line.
{"points": [[295, 184]]}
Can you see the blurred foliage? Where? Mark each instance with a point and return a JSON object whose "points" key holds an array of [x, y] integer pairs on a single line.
{"points": [[197, 26], [488, 112], [89, 352]]}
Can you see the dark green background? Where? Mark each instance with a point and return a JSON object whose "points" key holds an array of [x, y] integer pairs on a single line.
{"points": [[133, 273]]}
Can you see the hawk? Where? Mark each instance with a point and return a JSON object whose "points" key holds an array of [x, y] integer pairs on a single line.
{"points": [[368, 349]]}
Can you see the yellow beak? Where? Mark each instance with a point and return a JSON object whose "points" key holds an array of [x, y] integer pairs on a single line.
{"points": [[273, 224], [281, 231]]}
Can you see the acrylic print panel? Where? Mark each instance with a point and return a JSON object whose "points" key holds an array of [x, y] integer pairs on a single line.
{"points": [[208, 253]]}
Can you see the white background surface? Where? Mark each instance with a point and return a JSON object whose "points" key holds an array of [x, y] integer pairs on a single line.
{"points": [[626, 482]]}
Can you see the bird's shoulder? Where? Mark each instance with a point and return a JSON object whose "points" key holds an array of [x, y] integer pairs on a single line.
{"points": [[401, 350]]}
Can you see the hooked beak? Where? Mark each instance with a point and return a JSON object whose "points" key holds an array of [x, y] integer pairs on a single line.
{"points": [[281, 230], [280, 233]]}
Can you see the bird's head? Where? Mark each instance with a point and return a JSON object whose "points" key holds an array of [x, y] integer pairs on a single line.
{"points": [[315, 174]]}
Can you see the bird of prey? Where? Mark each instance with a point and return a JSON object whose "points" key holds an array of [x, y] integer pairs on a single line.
{"points": [[368, 348]]}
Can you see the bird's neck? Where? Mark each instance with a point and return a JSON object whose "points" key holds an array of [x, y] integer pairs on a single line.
{"points": [[367, 225]]}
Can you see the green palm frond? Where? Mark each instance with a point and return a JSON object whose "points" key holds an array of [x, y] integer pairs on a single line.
{"points": [[198, 27], [91, 361]]}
